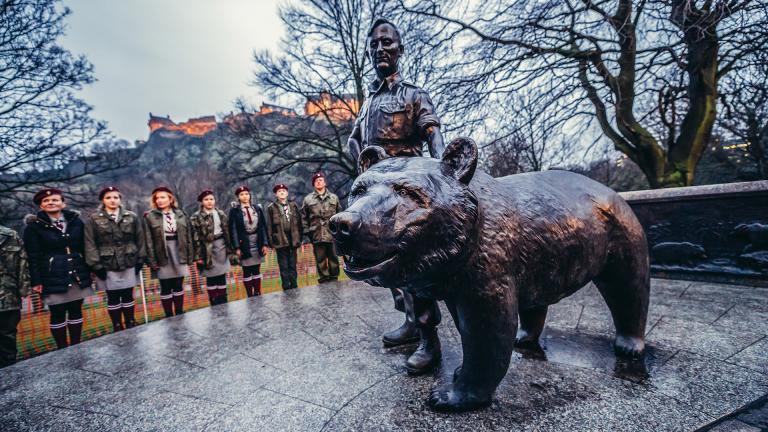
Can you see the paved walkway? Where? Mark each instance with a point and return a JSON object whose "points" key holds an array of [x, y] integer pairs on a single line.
{"points": [[311, 359]]}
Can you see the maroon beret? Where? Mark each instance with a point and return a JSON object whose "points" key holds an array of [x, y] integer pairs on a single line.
{"points": [[107, 189], [38, 198], [278, 187], [316, 176], [161, 189], [242, 188], [204, 194]]}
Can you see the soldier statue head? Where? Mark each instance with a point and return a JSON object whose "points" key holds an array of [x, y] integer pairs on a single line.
{"points": [[384, 47]]}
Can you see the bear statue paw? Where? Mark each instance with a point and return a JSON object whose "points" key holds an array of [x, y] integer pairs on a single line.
{"points": [[449, 399], [527, 342], [629, 346]]}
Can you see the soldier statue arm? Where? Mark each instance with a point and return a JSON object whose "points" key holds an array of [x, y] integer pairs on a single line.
{"points": [[354, 142], [435, 142]]}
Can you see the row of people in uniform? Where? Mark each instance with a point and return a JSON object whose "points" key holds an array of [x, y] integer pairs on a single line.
{"points": [[63, 256]]}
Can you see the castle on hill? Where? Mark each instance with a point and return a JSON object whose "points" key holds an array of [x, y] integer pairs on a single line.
{"points": [[325, 106]]}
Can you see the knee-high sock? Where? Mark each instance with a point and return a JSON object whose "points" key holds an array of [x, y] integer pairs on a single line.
{"points": [[178, 302], [128, 309], [167, 301], [248, 284], [59, 333], [178, 297], [257, 284], [114, 311], [75, 321], [75, 327], [59, 324]]}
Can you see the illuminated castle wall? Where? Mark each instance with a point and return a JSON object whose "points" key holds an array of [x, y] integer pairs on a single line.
{"points": [[194, 126]]}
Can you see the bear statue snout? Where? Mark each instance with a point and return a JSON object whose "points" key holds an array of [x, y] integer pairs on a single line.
{"points": [[343, 226]]}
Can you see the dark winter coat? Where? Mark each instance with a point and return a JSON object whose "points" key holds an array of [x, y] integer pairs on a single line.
{"points": [[56, 259], [202, 235], [278, 225], [154, 234], [240, 236], [114, 246]]}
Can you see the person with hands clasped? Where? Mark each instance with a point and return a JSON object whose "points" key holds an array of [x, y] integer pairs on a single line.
{"points": [[248, 229], [212, 246], [114, 249], [54, 240], [169, 248]]}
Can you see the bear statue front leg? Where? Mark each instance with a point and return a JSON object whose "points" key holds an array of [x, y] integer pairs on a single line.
{"points": [[487, 328], [531, 326]]}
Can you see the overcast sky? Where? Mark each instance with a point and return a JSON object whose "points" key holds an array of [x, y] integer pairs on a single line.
{"points": [[183, 58]]}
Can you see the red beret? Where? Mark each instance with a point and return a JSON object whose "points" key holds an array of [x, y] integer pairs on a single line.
{"points": [[161, 189], [204, 194], [242, 188], [278, 187], [107, 189], [316, 176], [38, 198]]}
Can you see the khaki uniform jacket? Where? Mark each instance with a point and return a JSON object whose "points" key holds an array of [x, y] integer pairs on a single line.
{"points": [[114, 245], [155, 237], [316, 211], [203, 237], [277, 225], [14, 273]]}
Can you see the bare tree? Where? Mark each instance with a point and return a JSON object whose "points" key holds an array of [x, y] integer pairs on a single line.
{"points": [[529, 139], [45, 131], [646, 72], [745, 114], [322, 64]]}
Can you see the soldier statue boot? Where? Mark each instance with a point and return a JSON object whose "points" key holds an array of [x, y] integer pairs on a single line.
{"points": [[425, 313], [406, 333]]}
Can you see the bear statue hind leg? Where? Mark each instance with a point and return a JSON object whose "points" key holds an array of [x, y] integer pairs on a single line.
{"points": [[531, 326], [487, 339], [625, 286]]}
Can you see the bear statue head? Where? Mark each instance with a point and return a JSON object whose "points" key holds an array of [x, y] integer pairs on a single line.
{"points": [[411, 220]]}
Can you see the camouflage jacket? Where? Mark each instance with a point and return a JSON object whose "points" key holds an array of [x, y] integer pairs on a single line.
{"points": [[316, 211], [14, 273], [203, 237], [114, 245]]}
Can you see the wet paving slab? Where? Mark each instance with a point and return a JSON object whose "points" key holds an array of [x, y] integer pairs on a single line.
{"points": [[312, 360]]}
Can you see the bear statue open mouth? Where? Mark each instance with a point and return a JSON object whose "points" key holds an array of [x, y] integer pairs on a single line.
{"points": [[359, 267]]}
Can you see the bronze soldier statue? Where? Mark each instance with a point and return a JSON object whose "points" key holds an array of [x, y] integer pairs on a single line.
{"points": [[399, 117]]}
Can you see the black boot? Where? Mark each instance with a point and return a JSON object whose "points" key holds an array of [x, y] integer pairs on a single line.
{"points": [[427, 355], [403, 335]]}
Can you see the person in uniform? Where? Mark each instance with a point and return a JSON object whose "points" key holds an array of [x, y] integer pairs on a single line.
{"points": [[212, 246], [114, 249], [247, 228], [14, 284], [400, 117], [169, 248], [55, 243], [284, 232], [316, 211]]}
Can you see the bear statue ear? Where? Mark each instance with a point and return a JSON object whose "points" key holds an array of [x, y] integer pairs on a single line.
{"points": [[370, 156], [460, 159]]}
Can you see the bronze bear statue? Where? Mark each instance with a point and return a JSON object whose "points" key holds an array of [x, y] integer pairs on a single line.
{"points": [[493, 249]]}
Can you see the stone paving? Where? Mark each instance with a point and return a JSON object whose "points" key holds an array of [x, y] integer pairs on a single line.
{"points": [[311, 359]]}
